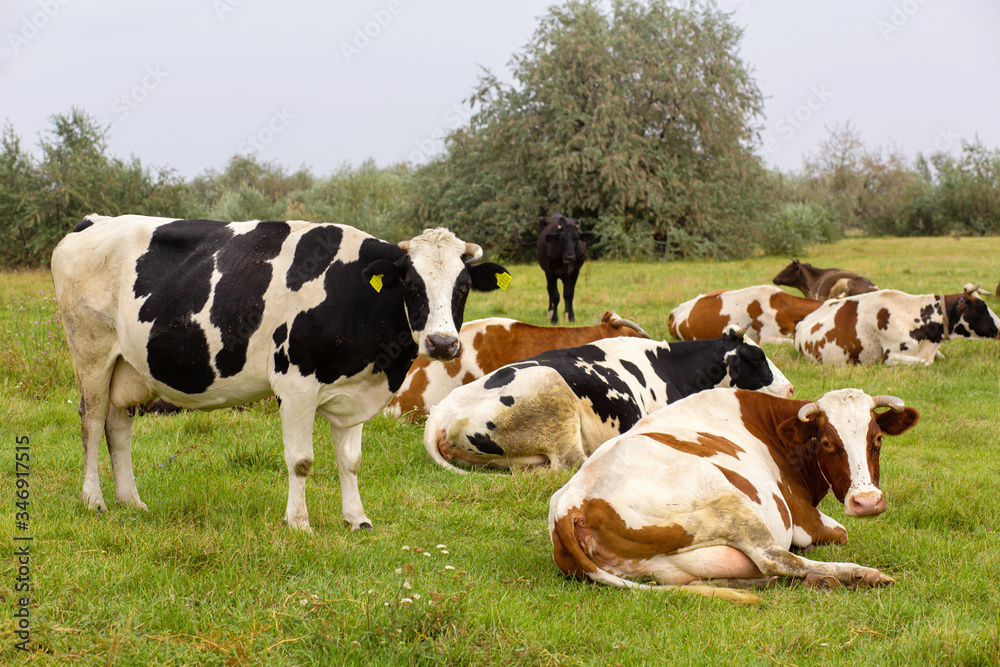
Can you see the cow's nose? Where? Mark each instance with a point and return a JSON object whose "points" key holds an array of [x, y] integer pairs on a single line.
{"points": [[869, 503], [443, 346]]}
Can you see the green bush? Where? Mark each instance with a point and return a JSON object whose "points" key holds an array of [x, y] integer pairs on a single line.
{"points": [[795, 225]]}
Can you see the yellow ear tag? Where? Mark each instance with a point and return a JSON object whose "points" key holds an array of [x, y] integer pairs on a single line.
{"points": [[503, 279], [376, 281]]}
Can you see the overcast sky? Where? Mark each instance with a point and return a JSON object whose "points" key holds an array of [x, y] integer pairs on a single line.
{"points": [[190, 83]]}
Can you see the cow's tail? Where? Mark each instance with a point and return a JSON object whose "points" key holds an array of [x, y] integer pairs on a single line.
{"points": [[521, 242], [574, 542], [434, 430]]}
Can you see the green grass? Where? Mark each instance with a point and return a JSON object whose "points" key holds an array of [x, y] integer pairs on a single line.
{"points": [[209, 575]]}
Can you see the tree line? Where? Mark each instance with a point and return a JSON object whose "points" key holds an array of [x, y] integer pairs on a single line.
{"points": [[638, 118]]}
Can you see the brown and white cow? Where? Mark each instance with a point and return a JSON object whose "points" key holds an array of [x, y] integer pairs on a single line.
{"points": [[823, 284], [719, 486], [768, 314], [893, 327], [487, 345]]}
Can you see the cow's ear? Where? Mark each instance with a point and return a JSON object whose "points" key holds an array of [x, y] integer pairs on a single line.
{"points": [[733, 366], [795, 433], [894, 423], [587, 237], [390, 271], [488, 276]]}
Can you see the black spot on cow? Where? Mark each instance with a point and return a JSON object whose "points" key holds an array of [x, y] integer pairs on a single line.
{"points": [[507, 400], [490, 426], [354, 325], [280, 362], [634, 370], [500, 378], [175, 274], [238, 303], [82, 225], [484, 443], [928, 311], [313, 254], [280, 335], [931, 331]]}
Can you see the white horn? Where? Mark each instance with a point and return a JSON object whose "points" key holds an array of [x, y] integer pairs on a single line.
{"points": [[807, 411], [896, 404], [404, 246], [473, 252]]}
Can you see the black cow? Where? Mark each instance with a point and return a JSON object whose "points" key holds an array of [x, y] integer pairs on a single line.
{"points": [[561, 251], [209, 314], [560, 406]]}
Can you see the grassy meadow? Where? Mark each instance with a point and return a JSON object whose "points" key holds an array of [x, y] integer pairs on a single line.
{"points": [[459, 569]]}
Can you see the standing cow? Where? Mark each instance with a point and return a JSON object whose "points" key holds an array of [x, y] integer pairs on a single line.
{"points": [[209, 314], [823, 284], [561, 251]]}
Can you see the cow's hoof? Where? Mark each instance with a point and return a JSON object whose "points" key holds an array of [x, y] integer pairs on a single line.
{"points": [[366, 527], [297, 524], [95, 503], [870, 577]]}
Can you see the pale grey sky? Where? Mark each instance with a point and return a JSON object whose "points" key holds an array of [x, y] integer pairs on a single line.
{"points": [[189, 83]]}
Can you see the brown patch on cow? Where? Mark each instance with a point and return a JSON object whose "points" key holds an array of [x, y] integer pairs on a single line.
{"points": [[741, 483], [607, 538], [501, 344], [412, 398], [843, 333], [454, 367], [882, 319], [706, 446], [755, 310], [786, 520], [303, 467], [469, 377], [566, 551], [705, 319], [790, 310]]}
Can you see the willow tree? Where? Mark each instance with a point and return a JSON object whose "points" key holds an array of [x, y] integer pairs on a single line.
{"points": [[640, 120]]}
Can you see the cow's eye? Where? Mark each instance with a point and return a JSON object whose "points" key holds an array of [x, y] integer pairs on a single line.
{"points": [[827, 445], [410, 286]]}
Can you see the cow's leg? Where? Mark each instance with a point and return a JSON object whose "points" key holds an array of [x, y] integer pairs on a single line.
{"points": [[118, 431], [93, 379], [569, 286], [297, 418], [552, 285], [347, 444]]}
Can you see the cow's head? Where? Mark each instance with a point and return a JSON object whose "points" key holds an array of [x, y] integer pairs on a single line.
{"points": [[749, 368], [564, 238], [436, 273], [846, 431], [969, 316], [791, 275]]}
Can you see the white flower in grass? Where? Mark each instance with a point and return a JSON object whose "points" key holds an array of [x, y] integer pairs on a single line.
{"points": [[406, 601], [449, 567]]}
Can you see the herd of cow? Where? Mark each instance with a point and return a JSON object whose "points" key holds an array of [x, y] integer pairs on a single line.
{"points": [[695, 462]]}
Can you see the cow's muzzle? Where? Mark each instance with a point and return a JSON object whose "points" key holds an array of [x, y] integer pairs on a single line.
{"points": [[443, 346], [867, 503]]}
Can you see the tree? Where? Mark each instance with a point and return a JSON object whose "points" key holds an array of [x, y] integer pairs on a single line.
{"points": [[640, 121]]}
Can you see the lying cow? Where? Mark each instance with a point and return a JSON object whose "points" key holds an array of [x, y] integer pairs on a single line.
{"points": [[720, 485], [893, 327], [768, 314], [486, 346], [210, 314], [561, 251], [558, 407], [823, 284]]}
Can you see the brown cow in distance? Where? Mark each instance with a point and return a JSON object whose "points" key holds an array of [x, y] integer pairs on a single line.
{"points": [[561, 251], [823, 284]]}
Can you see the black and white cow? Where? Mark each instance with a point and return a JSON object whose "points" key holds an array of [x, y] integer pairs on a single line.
{"points": [[209, 314], [560, 406]]}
